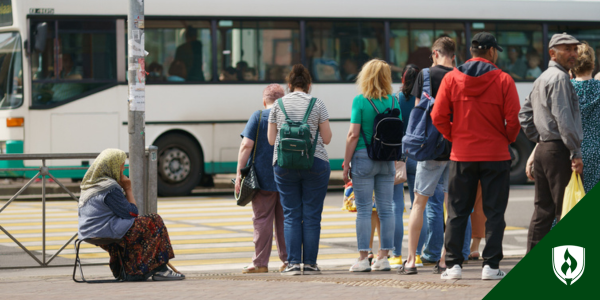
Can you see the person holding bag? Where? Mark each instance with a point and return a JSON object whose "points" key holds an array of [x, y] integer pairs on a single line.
{"points": [[368, 174], [266, 206], [299, 129]]}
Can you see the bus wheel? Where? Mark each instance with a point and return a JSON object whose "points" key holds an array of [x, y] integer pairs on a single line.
{"points": [[180, 165], [521, 150]]}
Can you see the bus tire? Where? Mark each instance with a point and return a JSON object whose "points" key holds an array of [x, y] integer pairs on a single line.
{"points": [[521, 149], [180, 165]]}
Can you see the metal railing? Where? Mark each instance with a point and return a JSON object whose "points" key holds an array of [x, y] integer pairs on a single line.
{"points": [[146, 205]]}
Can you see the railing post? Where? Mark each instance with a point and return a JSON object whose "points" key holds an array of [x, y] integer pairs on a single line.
{"points": [[152, 180], [44, 171]]}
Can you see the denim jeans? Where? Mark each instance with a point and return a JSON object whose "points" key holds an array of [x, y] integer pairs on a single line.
{"points": [[434, 239], [302, 193], [370, 176], [411, 171], [398, 207]]}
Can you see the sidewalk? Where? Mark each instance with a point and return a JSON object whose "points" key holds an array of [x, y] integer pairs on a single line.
{"points": [[335, 283]]}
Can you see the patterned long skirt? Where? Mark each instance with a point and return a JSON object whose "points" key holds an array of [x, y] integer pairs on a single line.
{"points": [[145, 246]]}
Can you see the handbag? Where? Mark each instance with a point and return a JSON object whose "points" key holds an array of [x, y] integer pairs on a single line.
{"points": [[400, 176], [249, 184]]}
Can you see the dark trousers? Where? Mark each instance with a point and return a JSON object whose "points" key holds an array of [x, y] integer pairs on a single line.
{"points": [[552, 172], [464, 179]]}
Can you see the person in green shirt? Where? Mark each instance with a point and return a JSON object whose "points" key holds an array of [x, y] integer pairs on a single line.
{"points": [[368, 176]]}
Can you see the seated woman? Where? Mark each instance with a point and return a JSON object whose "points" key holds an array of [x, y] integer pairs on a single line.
{"points": [[107, 210]]}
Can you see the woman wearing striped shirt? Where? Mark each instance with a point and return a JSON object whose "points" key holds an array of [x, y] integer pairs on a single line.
{"points": [[302, 192]]}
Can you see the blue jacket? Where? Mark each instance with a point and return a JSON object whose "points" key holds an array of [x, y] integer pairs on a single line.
{"points": [[97, 220]]}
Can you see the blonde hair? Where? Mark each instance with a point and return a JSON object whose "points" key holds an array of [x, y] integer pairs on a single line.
{"points": [[375, 79], [585, 59]]}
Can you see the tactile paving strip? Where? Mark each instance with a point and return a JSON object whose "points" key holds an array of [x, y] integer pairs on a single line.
{"points": [[393, 283]]}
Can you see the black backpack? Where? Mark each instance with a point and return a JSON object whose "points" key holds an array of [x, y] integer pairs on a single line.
{"points": [[386, 143]]}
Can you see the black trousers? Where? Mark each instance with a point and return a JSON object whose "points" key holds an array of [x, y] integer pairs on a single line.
{"points": [[462, 190], [552, 173]]}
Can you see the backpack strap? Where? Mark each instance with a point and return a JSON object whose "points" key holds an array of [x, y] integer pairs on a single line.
{"points": [[280, 101], [426, 81], [309, 109], [256, 140], [305, 120], [373, 104]]}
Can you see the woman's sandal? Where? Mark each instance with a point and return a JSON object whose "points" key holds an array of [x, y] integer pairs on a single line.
{"points": [[403, 270], [167, 276], [253, 269], [370, 257], [437, 269], [472, 256]]}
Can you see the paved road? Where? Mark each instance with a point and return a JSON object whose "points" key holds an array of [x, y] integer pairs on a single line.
{"points": [[211, 233]]}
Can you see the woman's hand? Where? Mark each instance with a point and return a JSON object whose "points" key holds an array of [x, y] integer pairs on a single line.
{"points": [[238, 183], [125, 183], [346, 167]]}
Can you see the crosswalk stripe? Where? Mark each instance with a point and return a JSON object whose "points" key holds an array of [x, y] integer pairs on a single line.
{"points": [[206, 232]]}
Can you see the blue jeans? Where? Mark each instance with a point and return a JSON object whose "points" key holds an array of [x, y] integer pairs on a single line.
{"points": [[398, 207], [434, 240], [302, 193], [370, 176], [411, 171]]}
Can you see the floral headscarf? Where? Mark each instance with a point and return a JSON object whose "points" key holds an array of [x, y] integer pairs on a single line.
{"points": [[103, 175]]}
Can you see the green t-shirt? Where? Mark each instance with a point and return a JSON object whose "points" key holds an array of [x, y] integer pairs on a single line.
{"points": [[364, 114]]}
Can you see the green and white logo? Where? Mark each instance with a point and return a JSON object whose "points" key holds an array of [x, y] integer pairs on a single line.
{"points": [[568, 263]]}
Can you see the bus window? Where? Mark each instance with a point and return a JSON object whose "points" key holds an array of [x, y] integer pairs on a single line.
{"points": [[588, 33], [336, 51], [523, 48], [410, 43], [179, 51], [257, 51], [11, 70], [6, 13], [78, 59]]}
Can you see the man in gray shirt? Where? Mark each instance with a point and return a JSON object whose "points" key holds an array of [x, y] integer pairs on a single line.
{"points": [[550, 117]]}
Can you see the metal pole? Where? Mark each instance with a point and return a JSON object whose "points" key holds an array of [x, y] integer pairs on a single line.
{"points": [[137, 99], [152, 191], [44, 171]]}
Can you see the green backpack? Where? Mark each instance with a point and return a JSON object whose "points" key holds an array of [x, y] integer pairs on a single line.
{"points": [[295, 149]]}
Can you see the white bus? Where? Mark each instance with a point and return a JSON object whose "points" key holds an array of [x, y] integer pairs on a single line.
{"points": [[63, 68]]}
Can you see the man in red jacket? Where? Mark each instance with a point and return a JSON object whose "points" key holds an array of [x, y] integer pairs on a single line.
{"points": [[477, 109]]}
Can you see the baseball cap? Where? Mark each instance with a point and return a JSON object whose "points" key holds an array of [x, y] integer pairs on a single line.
{"points": [[485, 40], [563, 39]]}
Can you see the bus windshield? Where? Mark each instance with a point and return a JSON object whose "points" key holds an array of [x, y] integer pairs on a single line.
{"points": [[11, 70]]}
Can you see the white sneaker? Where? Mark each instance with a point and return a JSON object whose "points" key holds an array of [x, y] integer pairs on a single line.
{"points": [[452, 273], [381, 265], [488, 273], [361, 266]]}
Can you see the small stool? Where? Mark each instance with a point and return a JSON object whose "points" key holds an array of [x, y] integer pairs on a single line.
{"points": [[96, 242]]}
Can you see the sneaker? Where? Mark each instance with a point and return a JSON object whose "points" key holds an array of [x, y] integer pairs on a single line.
{"points": [[167, 275], [396, 261], [418, 261], [452, 273], [361, 266], [311, 270], [292, 270], [381, 265], [487, 273]]}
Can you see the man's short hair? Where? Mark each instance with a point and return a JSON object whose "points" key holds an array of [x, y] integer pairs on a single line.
{"points": [[444, 45]]}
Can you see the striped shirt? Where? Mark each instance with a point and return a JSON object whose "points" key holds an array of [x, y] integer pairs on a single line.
{"points": [[295, 105]]}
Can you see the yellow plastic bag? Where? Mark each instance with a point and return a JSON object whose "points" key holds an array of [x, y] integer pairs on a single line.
{"points": [[573, 193]]}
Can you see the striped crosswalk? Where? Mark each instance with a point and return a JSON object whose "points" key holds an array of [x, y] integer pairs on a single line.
{"points": [[207, 233]]}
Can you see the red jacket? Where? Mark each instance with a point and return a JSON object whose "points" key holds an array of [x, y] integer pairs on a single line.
{"points": [[477, 108]]}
